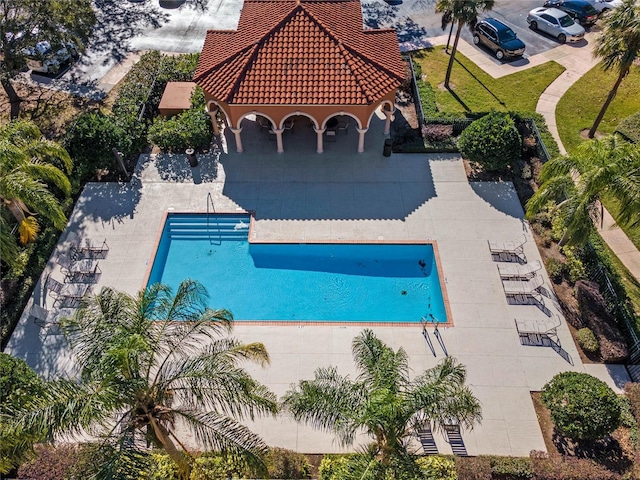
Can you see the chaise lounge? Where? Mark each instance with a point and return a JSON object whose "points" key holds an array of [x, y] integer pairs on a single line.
{"points": [[508, 250], [516, 271], [522, 290]]}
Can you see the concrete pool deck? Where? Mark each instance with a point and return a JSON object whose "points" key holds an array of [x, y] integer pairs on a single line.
{"points": [[301, 195]]}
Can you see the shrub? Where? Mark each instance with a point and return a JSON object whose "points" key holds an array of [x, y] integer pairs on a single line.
{"points": [[50, 463], [582, 407], [427, 97], [491, 141], [473, 468], [556, 269], [90, 143], [214, 466], [333, 467], [283, 463], [510, 468], [437, 133], [587, 340], [189, 129], [595, 315], [436, 467], [630, 128], [632, 390], [575, 268], [557, 467]]}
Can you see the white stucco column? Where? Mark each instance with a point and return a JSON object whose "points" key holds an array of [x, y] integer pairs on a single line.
{"points": [[236, 132], [387, 121], [361, 132], [279, 132], [213, 113], [319, 132]]}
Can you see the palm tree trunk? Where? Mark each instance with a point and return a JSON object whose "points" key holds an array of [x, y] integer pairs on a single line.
{"points": [[14, 98], [453, 54], [446, 50], [610, 97], [176, 455]]}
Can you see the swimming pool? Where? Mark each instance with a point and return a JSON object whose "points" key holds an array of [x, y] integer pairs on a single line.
{"points": [[311, 282]]}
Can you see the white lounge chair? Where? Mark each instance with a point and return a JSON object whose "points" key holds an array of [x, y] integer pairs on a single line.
{"points": [[40, 315], [536, 330], [516, 271], [506, 250], [523, 289]]}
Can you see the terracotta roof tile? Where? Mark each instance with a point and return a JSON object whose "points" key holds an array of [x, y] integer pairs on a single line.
{"points": [[307, 52]]}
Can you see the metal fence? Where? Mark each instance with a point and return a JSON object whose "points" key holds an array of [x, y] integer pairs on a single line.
{"points": [[416, 94], [541, 148], [619, 310]]}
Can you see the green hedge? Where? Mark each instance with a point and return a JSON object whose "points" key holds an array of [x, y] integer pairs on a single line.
{"points": [[629, 128]]}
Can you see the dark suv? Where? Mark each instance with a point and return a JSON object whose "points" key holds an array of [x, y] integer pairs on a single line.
{"points": [[498, 37], [581, 11]]}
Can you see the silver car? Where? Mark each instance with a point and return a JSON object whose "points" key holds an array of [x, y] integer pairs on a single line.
{"points": [[556, 23]]}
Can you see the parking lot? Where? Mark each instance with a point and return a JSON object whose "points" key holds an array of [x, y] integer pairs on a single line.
{"points": [[181, 25]]}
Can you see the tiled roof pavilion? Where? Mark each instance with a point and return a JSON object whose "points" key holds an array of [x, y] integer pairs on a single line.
{"points": [[300, 57]]}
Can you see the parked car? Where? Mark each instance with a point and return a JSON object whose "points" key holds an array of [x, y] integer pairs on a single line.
{"points": [[603, 6], [556, 23], [580, 10], [498, 37], [42, 58]]}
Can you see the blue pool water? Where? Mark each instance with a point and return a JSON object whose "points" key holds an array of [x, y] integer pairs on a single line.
{"points": [[298, 282]]}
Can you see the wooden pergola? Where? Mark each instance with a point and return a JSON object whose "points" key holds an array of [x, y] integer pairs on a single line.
{"points": [[300, 57]]}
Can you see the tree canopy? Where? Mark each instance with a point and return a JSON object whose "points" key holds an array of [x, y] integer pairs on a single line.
{"points": [[25, 22], [384, 402], [150, 367]]}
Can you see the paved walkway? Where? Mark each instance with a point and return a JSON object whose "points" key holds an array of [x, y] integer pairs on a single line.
{"points": [[578, 60]]}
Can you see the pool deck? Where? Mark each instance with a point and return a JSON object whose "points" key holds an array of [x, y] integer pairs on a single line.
{"points": [[341, 195]]}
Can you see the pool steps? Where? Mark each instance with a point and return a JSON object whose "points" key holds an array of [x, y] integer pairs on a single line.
{"points": [[219, 227]]}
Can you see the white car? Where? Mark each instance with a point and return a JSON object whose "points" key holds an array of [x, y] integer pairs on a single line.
{"points": [[43, 59], [556, 23], [603, 6]]}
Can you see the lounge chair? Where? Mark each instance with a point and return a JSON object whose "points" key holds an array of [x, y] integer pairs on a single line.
{"points": [[66, 295], [343, 125], [86, 248], [523, 289], [516, 271], [425, 435], [535, 331], [288, 124], [78, 271], [40, 315], [507, 250]]}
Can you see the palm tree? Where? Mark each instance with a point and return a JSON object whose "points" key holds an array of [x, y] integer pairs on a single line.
{"points": [[465, 12], [28, 163], [618, 47], [383, 400], [577, 184], [149, 364]]}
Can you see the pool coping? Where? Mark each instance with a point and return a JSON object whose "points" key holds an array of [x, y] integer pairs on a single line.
{"points": [[250, 239]]}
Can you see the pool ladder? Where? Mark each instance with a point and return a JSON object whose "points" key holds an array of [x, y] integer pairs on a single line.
{"points": [[212, 209]]}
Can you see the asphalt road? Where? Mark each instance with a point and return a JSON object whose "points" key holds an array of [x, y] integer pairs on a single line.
{"points": [[180, 26]]}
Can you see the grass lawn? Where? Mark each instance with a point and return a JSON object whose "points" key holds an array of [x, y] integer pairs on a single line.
{"points": [[473, 90], [579, 107]]}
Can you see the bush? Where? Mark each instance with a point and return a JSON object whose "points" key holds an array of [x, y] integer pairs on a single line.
{"points": [[510, 468], [283, 464], [333, 467], [51, 463], [587, 340], [491, 141], [436, 467], [556, 269], [190, 129], [214, 466], [629, 128], [473, 468], [582, 407], [575, 268], [595, 315], [427, 97], [90, 143], [437, 133]]}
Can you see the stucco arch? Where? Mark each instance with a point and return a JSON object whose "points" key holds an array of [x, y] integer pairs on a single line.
{"points": [[299, 113], [220, 107], [255, 112], [345, 114], [381, 106]]}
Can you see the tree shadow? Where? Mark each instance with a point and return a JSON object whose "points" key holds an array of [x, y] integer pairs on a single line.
{"points": [[174, 167], [481, 84], [607, 452]]}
